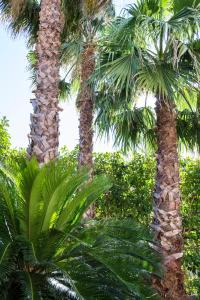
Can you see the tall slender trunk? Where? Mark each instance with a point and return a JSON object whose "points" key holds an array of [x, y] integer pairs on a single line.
{"points": [[86, 107], [85, 104], [44, 135], [167, 219]]}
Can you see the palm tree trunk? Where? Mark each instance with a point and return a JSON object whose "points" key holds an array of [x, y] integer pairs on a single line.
{"points": [[167, 219], [85, 104], [86, 107], [45, 119]]}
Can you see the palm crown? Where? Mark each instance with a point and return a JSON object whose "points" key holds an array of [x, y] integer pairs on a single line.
{"points": [[150, 51], [153, 51], [23, 16]]}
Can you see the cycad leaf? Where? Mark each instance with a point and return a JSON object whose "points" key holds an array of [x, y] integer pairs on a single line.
{"points": [[77, 205], [61, 194]]}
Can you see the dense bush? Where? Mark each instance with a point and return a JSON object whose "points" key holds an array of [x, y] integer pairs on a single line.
{"points": [[131, 196], [190, 184]]}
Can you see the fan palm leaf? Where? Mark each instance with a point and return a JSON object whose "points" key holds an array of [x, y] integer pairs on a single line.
{"points": [[23, 16]]}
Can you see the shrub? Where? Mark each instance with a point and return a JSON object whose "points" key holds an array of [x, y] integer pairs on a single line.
{"points": [[47, 253]]}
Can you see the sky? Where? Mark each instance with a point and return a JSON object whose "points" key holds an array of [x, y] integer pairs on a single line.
{"points": [[15, 94]]}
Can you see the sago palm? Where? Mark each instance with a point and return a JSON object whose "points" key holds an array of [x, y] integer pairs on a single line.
{"points": [[156, 55], [45, 251]]}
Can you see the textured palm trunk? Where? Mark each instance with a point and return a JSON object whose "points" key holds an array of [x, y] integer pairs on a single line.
{"points": [[167, 223], [85, 104], [86, 107], [44, 133]]}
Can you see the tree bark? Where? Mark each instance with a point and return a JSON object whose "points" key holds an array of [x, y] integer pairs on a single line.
{"points": [[44, 135], [167, 223], [85, 105]]}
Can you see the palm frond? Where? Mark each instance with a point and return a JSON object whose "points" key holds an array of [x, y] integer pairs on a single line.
{"points": [[51, 255], [180, 4], [26, 20], [188, 125]]}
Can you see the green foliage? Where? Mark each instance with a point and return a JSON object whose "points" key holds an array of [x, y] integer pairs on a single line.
{"points": [[4, 139], [145, 52], [93, 15], [188, 129], [25, 19], [129, 125], [179, 4], [131, 196], [150, 50], [47, 253], [127, 197], [133, 127], [190, 175]]}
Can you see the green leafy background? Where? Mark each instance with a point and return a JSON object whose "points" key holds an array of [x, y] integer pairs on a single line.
{"points": [[131, 196]]}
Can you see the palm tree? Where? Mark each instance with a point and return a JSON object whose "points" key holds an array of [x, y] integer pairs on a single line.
{"points": [[155, 56], [79, 52], [24, 15], [46, 253], [46, 24], [86, 93], [45, 120]]}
